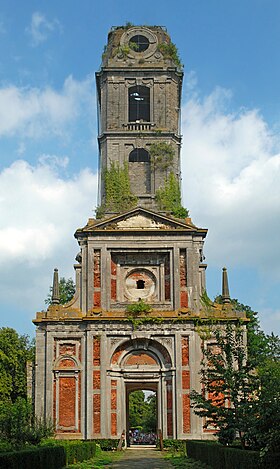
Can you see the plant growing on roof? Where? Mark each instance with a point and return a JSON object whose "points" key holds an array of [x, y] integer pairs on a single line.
{"points": [[170, 51], [137, 308], [168, 197]]}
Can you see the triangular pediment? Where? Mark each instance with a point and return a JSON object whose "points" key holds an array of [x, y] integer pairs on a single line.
{"points": [[140, 219]]}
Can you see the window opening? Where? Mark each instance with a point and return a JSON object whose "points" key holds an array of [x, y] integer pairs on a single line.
{"points": [[139, 155], [140, 284], [139, 43], [139, 103]]}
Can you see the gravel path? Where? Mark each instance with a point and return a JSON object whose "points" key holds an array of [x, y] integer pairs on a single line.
{"points": [[142, 459]]}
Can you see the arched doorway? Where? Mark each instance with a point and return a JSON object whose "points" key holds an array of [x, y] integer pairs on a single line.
{"points": [[143, 364]]}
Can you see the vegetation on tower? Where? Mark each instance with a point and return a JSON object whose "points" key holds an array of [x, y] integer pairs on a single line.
{"points": [[118, 195], [168, 197]]}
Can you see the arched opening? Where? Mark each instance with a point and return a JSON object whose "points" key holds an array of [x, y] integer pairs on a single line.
{"points": [[140, 171], [139, 103], [141, 364], [139, 155]]}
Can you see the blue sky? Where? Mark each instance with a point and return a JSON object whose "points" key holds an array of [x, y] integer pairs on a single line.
{"points": [[49, 52]]}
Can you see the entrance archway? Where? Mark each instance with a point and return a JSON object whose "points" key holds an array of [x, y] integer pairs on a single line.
{"points": [[143, 364]]}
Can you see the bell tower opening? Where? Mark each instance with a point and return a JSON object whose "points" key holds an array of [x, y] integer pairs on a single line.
{"points": [[139, 103]]}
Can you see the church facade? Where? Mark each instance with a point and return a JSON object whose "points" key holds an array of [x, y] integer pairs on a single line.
{"points": [[140, 272]]}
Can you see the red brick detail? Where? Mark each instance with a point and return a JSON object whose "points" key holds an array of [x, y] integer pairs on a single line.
{"points": [[167, 280], [113, 424], [67, 349], [113, 289], [96, 352], [96, 269], [113, 407], [169, 399], [186, 414], [183, 279], [96, 379], [96, 414], [54, 400], [184, 299], [183, 272], [67, 401], [116, 356], [96, 279], [97, 299], [185, 351], [140, 359], [169, 424], [113, 267], [67, 363], [185, 379], [113, 399]]}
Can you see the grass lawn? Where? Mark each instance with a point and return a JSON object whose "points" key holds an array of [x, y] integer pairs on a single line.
{"points": [[103, 459], [183, 462]]}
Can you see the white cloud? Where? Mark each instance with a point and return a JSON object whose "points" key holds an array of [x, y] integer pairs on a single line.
{"points": [[39, 210], [41, 27], [34, 112], [39, 213], [231, 174]]}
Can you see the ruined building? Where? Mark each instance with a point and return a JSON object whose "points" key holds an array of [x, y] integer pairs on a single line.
{"points": [[135, 320]]}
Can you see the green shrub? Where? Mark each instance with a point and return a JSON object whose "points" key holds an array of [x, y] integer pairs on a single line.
{"points": [[108, 444], [37, 458], [223, 457], [75, 450], [175, 445]]}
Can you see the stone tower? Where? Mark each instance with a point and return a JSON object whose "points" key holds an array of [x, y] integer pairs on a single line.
{"points": [[140, 272], [139, 95]]}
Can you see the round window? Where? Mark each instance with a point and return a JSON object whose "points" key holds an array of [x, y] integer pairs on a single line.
{"points": [[140, 284], [139, 43]]}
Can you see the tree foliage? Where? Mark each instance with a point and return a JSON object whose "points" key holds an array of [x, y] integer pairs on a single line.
{"points": [[229, 384], [241, 385], [66, 291], [15, 351], [19, 426], [142, 413]]}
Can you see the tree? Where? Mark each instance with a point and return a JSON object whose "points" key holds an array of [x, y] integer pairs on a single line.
{"points": [[267, 428], [241, 385], [136, 408], [15, 351], [142, 413], [66, 291], [19, 426], [150, 414], [229, 385]]}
